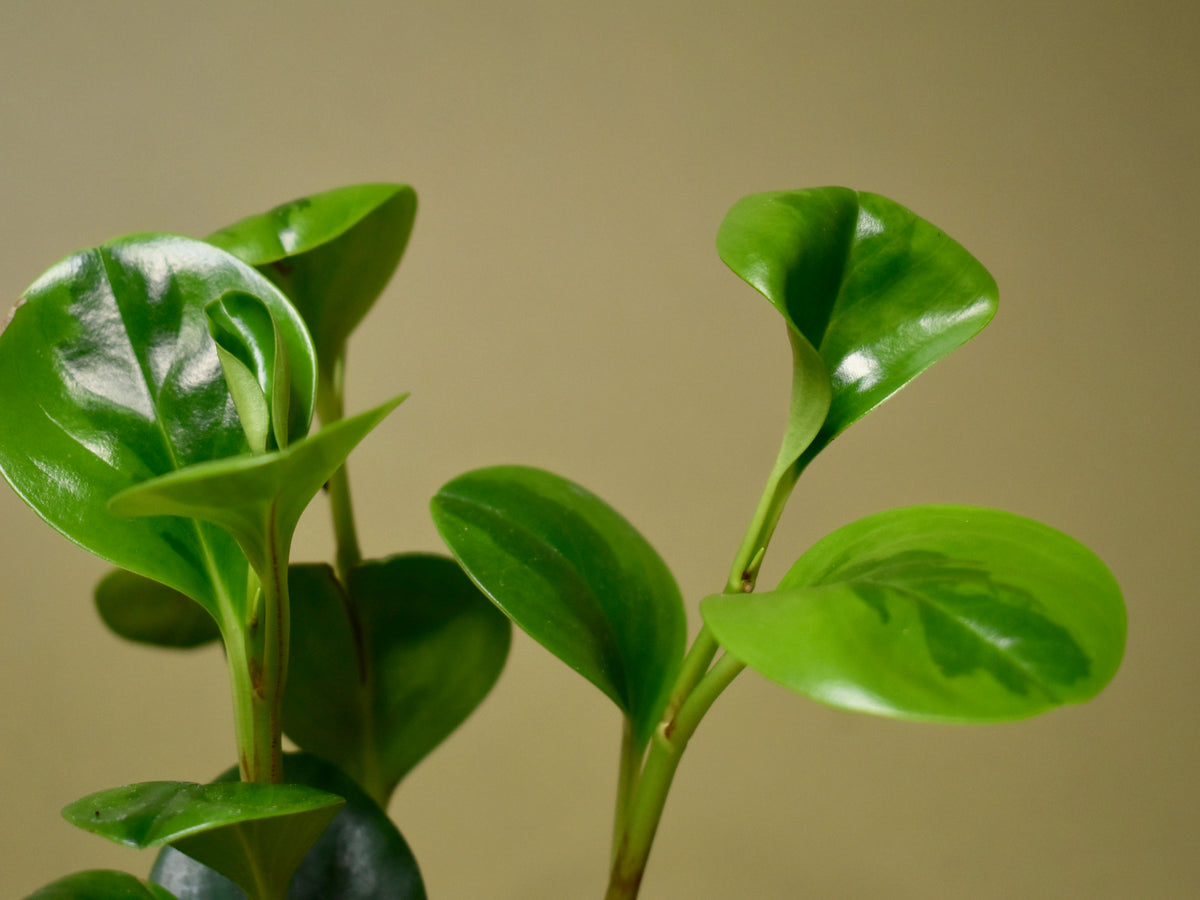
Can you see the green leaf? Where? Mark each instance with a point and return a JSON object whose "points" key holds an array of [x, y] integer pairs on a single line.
{"points": [[257, 499], [332, 254], [120, 383], [147, 612], [254, 834], [381, 675], [880, 293], [360, 856], [100, 884], [254, 353], [935, 612], [575, 575]]}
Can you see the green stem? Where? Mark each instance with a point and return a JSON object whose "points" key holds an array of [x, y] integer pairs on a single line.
{"points": [[257, 653], [330, 409], [666, 750], [744, 572], [631, 760], [641, 798], [695, 664], [251, 716]]}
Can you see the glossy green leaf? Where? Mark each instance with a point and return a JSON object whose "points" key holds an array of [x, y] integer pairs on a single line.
{"points": [[935, 612], [257, 499], [254, 834], [332, 254], [575, 575], [145, 611], [256, 359], [360, 856], [119, 383], [101, 884], [879, 292], [381, 676]]}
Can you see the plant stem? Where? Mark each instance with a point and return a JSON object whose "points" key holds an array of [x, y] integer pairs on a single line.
{"points": [[641, 798], [257, 654], [631, 760], [744, 572], [330, 409], [666, 750]]}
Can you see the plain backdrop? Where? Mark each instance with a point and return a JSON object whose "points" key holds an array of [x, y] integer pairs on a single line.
{"points": [[561, 304]]}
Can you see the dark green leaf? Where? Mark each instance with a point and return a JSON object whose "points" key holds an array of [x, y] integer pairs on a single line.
{"points": [[577, 577], [331, 253], [254, 834], [935, 612], [145, 611], [360, 856], [120, 383], [379, 678], [879, 292], [100, 884], [256, 499]]}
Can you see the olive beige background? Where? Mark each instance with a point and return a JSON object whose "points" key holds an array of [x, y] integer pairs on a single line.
{"points": [[561, 304]]}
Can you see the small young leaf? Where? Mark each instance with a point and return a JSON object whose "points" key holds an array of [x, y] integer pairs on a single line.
{"points": [[256, 499], [256, 359], [332, 254], [360, 856], [119, 383], [101, 884], [880, 293], [946, 613], [379, 678], [575, 575], [254, 834], [145, 611]]}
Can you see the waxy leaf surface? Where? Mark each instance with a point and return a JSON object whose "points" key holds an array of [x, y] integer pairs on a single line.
{"points": [[880, 293], [360, 856], [251, 833], [145, 611], [274, 408], [382, 671], [110, 379], [935, 612], [256, 499], [574, 575], [101, 884], [332, 254]]}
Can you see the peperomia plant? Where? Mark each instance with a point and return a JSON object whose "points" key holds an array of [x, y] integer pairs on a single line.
{"points": [[159, 393]]}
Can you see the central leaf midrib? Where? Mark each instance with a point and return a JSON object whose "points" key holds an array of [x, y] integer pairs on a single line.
{"points": [[221, 596], [918, 599]]}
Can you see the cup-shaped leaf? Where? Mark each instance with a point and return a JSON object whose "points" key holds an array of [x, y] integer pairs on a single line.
{"points": [[574, 575], [879, 292], [147, 612], [382, 671], [360, 856], [935, 612], [256, 499], [101, 884], [332, 254], [254, 834], [111, 378], [255, 354]]}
